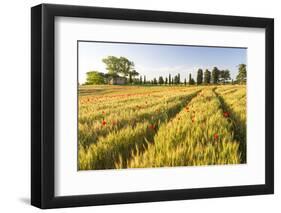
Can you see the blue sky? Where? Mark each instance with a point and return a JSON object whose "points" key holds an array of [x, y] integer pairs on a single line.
{"points": [[160, 60]]}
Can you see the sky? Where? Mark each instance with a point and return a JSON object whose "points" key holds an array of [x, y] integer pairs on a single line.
{"points": [[160, 60]]}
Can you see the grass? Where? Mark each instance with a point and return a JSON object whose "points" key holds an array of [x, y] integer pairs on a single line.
{"points": [[140, 127]]}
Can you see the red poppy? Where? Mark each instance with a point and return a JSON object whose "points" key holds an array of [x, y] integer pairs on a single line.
{"points": [[103, 122], [226, 114], [103, 112], [152, 126], [216, 136]]}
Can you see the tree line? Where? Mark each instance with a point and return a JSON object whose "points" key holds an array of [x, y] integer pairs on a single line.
{"points": [[124, 68]]}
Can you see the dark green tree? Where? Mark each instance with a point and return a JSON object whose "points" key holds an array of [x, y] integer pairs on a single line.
{"points": [[154, 81], [132, 75], [242, 73], [215, 75], [224, 76], [184, 81], [175, 80], [161, 80], [199, 76], [130, 79], [144, 80], [191, 80], [166, 80], [170, 79], [207, 77]]}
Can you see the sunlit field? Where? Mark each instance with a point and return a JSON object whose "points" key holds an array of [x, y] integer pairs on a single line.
{"points": [[161, 126]]}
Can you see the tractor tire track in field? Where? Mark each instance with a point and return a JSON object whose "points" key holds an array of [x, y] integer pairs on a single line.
{"points": [[114, 151], [239, 127]]}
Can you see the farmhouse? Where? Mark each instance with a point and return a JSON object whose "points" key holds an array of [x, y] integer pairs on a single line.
{"points": [[117, 80]]}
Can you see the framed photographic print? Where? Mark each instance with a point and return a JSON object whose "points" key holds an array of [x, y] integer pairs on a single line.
{"points": [[139, 106]]}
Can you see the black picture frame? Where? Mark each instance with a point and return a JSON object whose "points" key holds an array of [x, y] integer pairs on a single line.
{"points": [[43, 102]]}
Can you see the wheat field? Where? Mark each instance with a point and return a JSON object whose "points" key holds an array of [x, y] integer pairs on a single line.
{"points": [[160, 126]]}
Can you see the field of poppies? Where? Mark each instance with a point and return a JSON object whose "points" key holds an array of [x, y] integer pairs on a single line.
{"points": [[161, 126]]}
